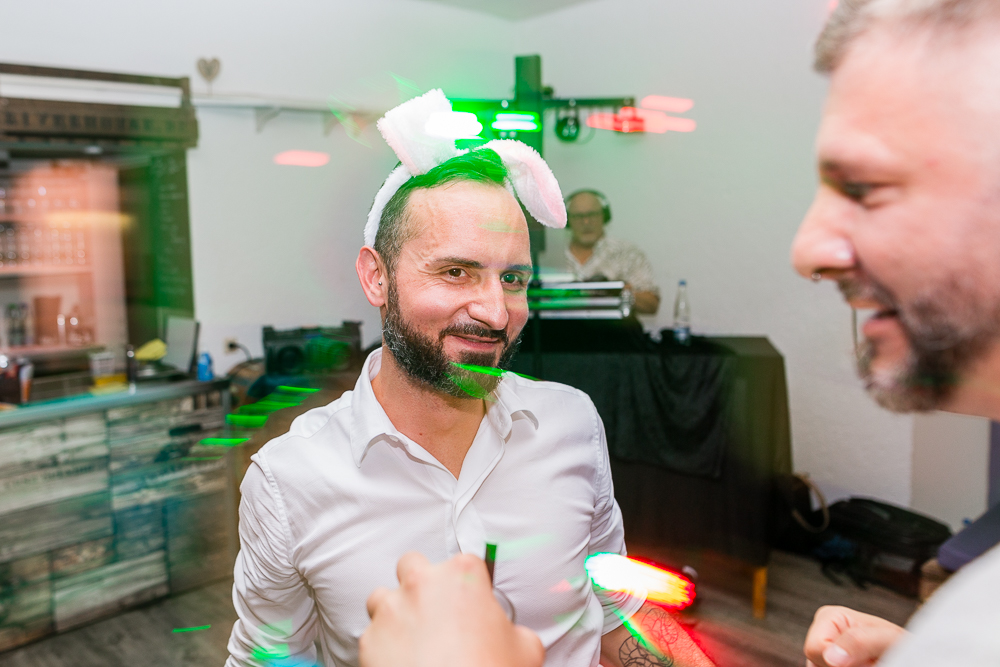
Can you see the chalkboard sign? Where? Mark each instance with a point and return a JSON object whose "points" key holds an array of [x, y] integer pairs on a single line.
{"points": [[157, 244], [171, 233]]}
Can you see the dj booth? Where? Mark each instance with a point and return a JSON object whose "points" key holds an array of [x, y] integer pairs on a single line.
{"points": [[696, 432]]}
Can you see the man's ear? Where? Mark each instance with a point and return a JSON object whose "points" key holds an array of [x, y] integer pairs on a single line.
{"points": [[371, 273]]}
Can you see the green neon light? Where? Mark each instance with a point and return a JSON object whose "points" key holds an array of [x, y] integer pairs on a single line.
{"points": [[517, 121], [247, 421], [268, 653], [200, 627], [489, 370], [297, 390], [264, 406], [469, 386], [485, 370], [222, 442]]}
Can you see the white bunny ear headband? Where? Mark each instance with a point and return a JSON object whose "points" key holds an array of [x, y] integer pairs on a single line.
{"points": [[405, 129]]}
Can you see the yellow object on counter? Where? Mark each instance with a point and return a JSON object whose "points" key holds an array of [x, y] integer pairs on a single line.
{"points": [[154, 350]]}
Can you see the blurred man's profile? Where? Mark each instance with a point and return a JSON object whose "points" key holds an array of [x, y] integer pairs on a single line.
{"points": [[907, 223]]}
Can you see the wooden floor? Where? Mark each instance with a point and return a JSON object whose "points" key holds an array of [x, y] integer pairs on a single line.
{"points": [[722, 623]]}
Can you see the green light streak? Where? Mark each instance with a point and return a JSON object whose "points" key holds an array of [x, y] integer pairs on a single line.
{"points": [[632, 628], [486, 370], [222, 442], [246, 421], [297, 390], [489, 370], [469, 386], [201, 458], [200, 627], [278, 652]]}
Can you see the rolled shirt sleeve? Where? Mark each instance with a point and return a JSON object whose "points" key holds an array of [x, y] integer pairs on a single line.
{"points": [[607, 535], [277, 615], [638, 272]]}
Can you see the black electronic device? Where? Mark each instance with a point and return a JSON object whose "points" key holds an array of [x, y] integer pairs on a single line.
{"points": [[589, 300], [312, 350], [568, 127]]}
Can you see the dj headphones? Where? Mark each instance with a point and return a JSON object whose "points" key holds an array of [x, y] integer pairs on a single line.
{"points": [[605, 206]]}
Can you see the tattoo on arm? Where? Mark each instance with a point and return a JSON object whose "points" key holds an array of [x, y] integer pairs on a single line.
{"points": [[651, 649]]}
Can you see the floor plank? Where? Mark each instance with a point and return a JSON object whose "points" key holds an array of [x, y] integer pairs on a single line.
{"points": [[143, 636], [722, 623], [723, 620]]}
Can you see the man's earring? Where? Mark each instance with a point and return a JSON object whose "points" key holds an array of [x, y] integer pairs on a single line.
{"points": [[380, 283]]}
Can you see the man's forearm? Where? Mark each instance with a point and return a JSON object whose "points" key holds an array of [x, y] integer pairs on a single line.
{"points": [[646, 302], [652, 637]]}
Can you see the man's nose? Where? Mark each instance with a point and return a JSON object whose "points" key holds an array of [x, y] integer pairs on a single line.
{"points": [[489, 305], [822, 246]]}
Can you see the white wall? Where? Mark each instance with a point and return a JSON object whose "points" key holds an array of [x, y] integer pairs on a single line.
{"points": [[276, 245], [720, 206], [950, 466]]}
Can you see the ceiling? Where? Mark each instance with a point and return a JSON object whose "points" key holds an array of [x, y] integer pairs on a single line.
{"points": [[512, 10]]}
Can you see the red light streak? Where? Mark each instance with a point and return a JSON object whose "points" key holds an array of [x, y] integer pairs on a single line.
{"points": [[302, 158], [624, 122], [662, 587], [664, 103], [650, 118]]}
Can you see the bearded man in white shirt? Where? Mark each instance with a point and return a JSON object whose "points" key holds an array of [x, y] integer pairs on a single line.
{"points": [[437, 451]]}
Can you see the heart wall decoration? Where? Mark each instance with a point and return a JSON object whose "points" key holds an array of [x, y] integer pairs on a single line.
{"points": [[209, 70]]}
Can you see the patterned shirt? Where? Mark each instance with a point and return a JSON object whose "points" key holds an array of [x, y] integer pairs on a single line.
{"points": [[615, 260]]}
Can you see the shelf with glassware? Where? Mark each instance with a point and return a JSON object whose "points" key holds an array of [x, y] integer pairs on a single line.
{"points": [[62, 291]]}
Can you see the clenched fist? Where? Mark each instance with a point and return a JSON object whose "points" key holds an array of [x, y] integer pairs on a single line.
{"points": [[444, 615], [842, 637]]}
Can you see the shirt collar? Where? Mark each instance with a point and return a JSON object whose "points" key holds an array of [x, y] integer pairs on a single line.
{"points": [[369, 423], [507, 407], [368, 420]]}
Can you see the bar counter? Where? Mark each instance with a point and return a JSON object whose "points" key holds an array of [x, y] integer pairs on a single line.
{"points": [[109, 501]]}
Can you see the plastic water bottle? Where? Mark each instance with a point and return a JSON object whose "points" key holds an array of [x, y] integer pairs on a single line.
{"points": [[205, 373], [682, 315]]}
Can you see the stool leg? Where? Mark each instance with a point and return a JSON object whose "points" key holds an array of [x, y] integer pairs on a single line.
{"points": [[760, 592]]}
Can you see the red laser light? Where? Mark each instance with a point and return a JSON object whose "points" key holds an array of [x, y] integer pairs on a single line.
{"points": [[664, 103], [632, 119], [626, 121]]}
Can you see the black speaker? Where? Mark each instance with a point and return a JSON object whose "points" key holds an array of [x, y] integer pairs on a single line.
{"points": [[568, 127], [312, 350]]}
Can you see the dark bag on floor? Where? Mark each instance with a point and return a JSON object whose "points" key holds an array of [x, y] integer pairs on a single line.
{"points": [[794, 525], [892, 542]]}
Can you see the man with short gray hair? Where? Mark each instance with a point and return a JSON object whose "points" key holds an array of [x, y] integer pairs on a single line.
{"points": [[907, 222]]}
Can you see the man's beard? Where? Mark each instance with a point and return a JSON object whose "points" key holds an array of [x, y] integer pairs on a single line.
{"points": [[424, 360], [947, 329]]}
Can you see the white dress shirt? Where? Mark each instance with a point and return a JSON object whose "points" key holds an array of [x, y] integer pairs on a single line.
{"points": [[329, 508]]}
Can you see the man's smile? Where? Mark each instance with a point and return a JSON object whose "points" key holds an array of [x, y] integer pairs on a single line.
{"points": [[477, 343]]}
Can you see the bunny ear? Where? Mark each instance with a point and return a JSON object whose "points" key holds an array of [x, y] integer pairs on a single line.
{"points": [[404, 129], [392, 183], [533, 181]]}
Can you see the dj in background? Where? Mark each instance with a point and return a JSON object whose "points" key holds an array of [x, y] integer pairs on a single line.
{"points": [[592, 254]]}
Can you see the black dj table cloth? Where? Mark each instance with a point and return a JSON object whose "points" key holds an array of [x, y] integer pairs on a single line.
{"points": [[696, 433]]}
